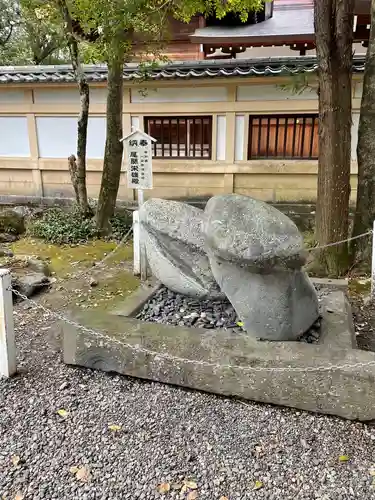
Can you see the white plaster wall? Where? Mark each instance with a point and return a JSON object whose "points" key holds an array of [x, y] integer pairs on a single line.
{"points": [[221, 137], [98, 95], [14, 137], [271, 93], [57, 136], [181, 94], [239, 137], [8, 96], [135, 122], [358, 90], [61, 96], [355, 123]]}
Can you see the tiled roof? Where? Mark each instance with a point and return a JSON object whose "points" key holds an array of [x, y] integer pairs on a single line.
{"points": [[296, 24], [181, 70], [293, 4]]}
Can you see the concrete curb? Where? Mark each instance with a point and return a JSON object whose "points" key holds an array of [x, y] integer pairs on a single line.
{"points": [[221, 363]]}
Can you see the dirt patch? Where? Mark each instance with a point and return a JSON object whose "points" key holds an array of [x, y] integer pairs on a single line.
{"points": [[66, 260], [77, 280]]}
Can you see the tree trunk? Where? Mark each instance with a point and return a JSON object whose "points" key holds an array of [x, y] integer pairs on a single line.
{"points": [[113, 146], [84, 93], [83, 119], [72, 164], [365, 208], [334, 35]]}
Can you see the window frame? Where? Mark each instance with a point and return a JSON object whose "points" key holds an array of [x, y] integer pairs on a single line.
{"points": [[187, 146], [296, 117]]}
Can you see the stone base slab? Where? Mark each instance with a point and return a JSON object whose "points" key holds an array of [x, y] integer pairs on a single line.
{"points": [[217, 361]]}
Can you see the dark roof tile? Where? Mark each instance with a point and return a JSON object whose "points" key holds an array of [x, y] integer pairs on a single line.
{"points": [[172, 71]]}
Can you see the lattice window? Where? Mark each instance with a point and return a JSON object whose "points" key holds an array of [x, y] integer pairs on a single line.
{"points": [[283, 136], [181, 137]]}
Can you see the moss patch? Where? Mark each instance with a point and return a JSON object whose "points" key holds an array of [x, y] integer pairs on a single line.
{"points": [[11, 222], [309, 239], [359, 286], [67, 259], [110, 291]]}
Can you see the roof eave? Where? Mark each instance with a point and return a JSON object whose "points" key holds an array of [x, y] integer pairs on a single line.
{"points": [[253, 40]]}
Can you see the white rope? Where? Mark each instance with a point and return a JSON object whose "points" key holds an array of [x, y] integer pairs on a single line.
{"points": [[177, 359], [339, 242]]}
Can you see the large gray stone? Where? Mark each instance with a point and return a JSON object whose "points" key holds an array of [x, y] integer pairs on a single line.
{"points": [[252, 233], [172, 232], [30, 283], [256, 254], [279, 305]]}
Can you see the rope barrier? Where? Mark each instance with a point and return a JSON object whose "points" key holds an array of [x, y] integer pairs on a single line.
{"points": [[169, 357], [339, 242], [177, 359]]}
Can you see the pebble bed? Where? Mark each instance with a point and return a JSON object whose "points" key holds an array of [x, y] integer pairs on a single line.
{"points": [[171, 308]]}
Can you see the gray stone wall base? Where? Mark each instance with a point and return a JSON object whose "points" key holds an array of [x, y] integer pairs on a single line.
{"points": [[229, 365]]}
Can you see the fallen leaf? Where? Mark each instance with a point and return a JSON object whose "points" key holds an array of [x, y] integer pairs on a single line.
{"points": [[372, 471], [73, 470], [183, 490], [192, 495], [19, 496], [83, 474], [63, 413], [223, 498], [258, 450], [239, 323], [344, 458], [192, 485], [176, 486], [258, 485], [114, 427], [16, 460], [163, 488]]}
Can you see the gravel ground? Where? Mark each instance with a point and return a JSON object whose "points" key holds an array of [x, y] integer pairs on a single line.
{"points": [[226, 448], [171, 308], [364, 323]]}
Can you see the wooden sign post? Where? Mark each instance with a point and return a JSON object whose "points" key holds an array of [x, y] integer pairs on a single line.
{"points": [[139, 173]]}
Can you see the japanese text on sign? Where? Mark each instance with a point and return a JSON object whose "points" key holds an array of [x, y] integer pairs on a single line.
{"points": [[139, 161]]}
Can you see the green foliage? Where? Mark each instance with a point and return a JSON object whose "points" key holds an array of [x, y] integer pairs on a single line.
{"points": [[121, 22], [121, 222], [9, 17], [61, 226], [300, 83], [31, 33]]}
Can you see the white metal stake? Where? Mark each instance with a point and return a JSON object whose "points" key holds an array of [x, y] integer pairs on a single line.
{"points": [[373, 263], [142, 250], [7, 344]]}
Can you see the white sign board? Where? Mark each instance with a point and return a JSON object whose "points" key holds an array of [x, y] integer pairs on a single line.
{"points": [[139, 155]]}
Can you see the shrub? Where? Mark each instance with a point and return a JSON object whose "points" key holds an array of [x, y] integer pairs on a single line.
{"points": [[121, 222], [60, 226]]}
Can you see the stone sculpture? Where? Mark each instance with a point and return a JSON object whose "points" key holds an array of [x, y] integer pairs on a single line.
{"points": [[256, 255], [252, 251], [172, 232]]}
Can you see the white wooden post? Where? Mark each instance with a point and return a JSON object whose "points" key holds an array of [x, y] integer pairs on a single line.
{"points": [[7, 343], [139, 175], [142, 249], [373, 264], [136, 244]]}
